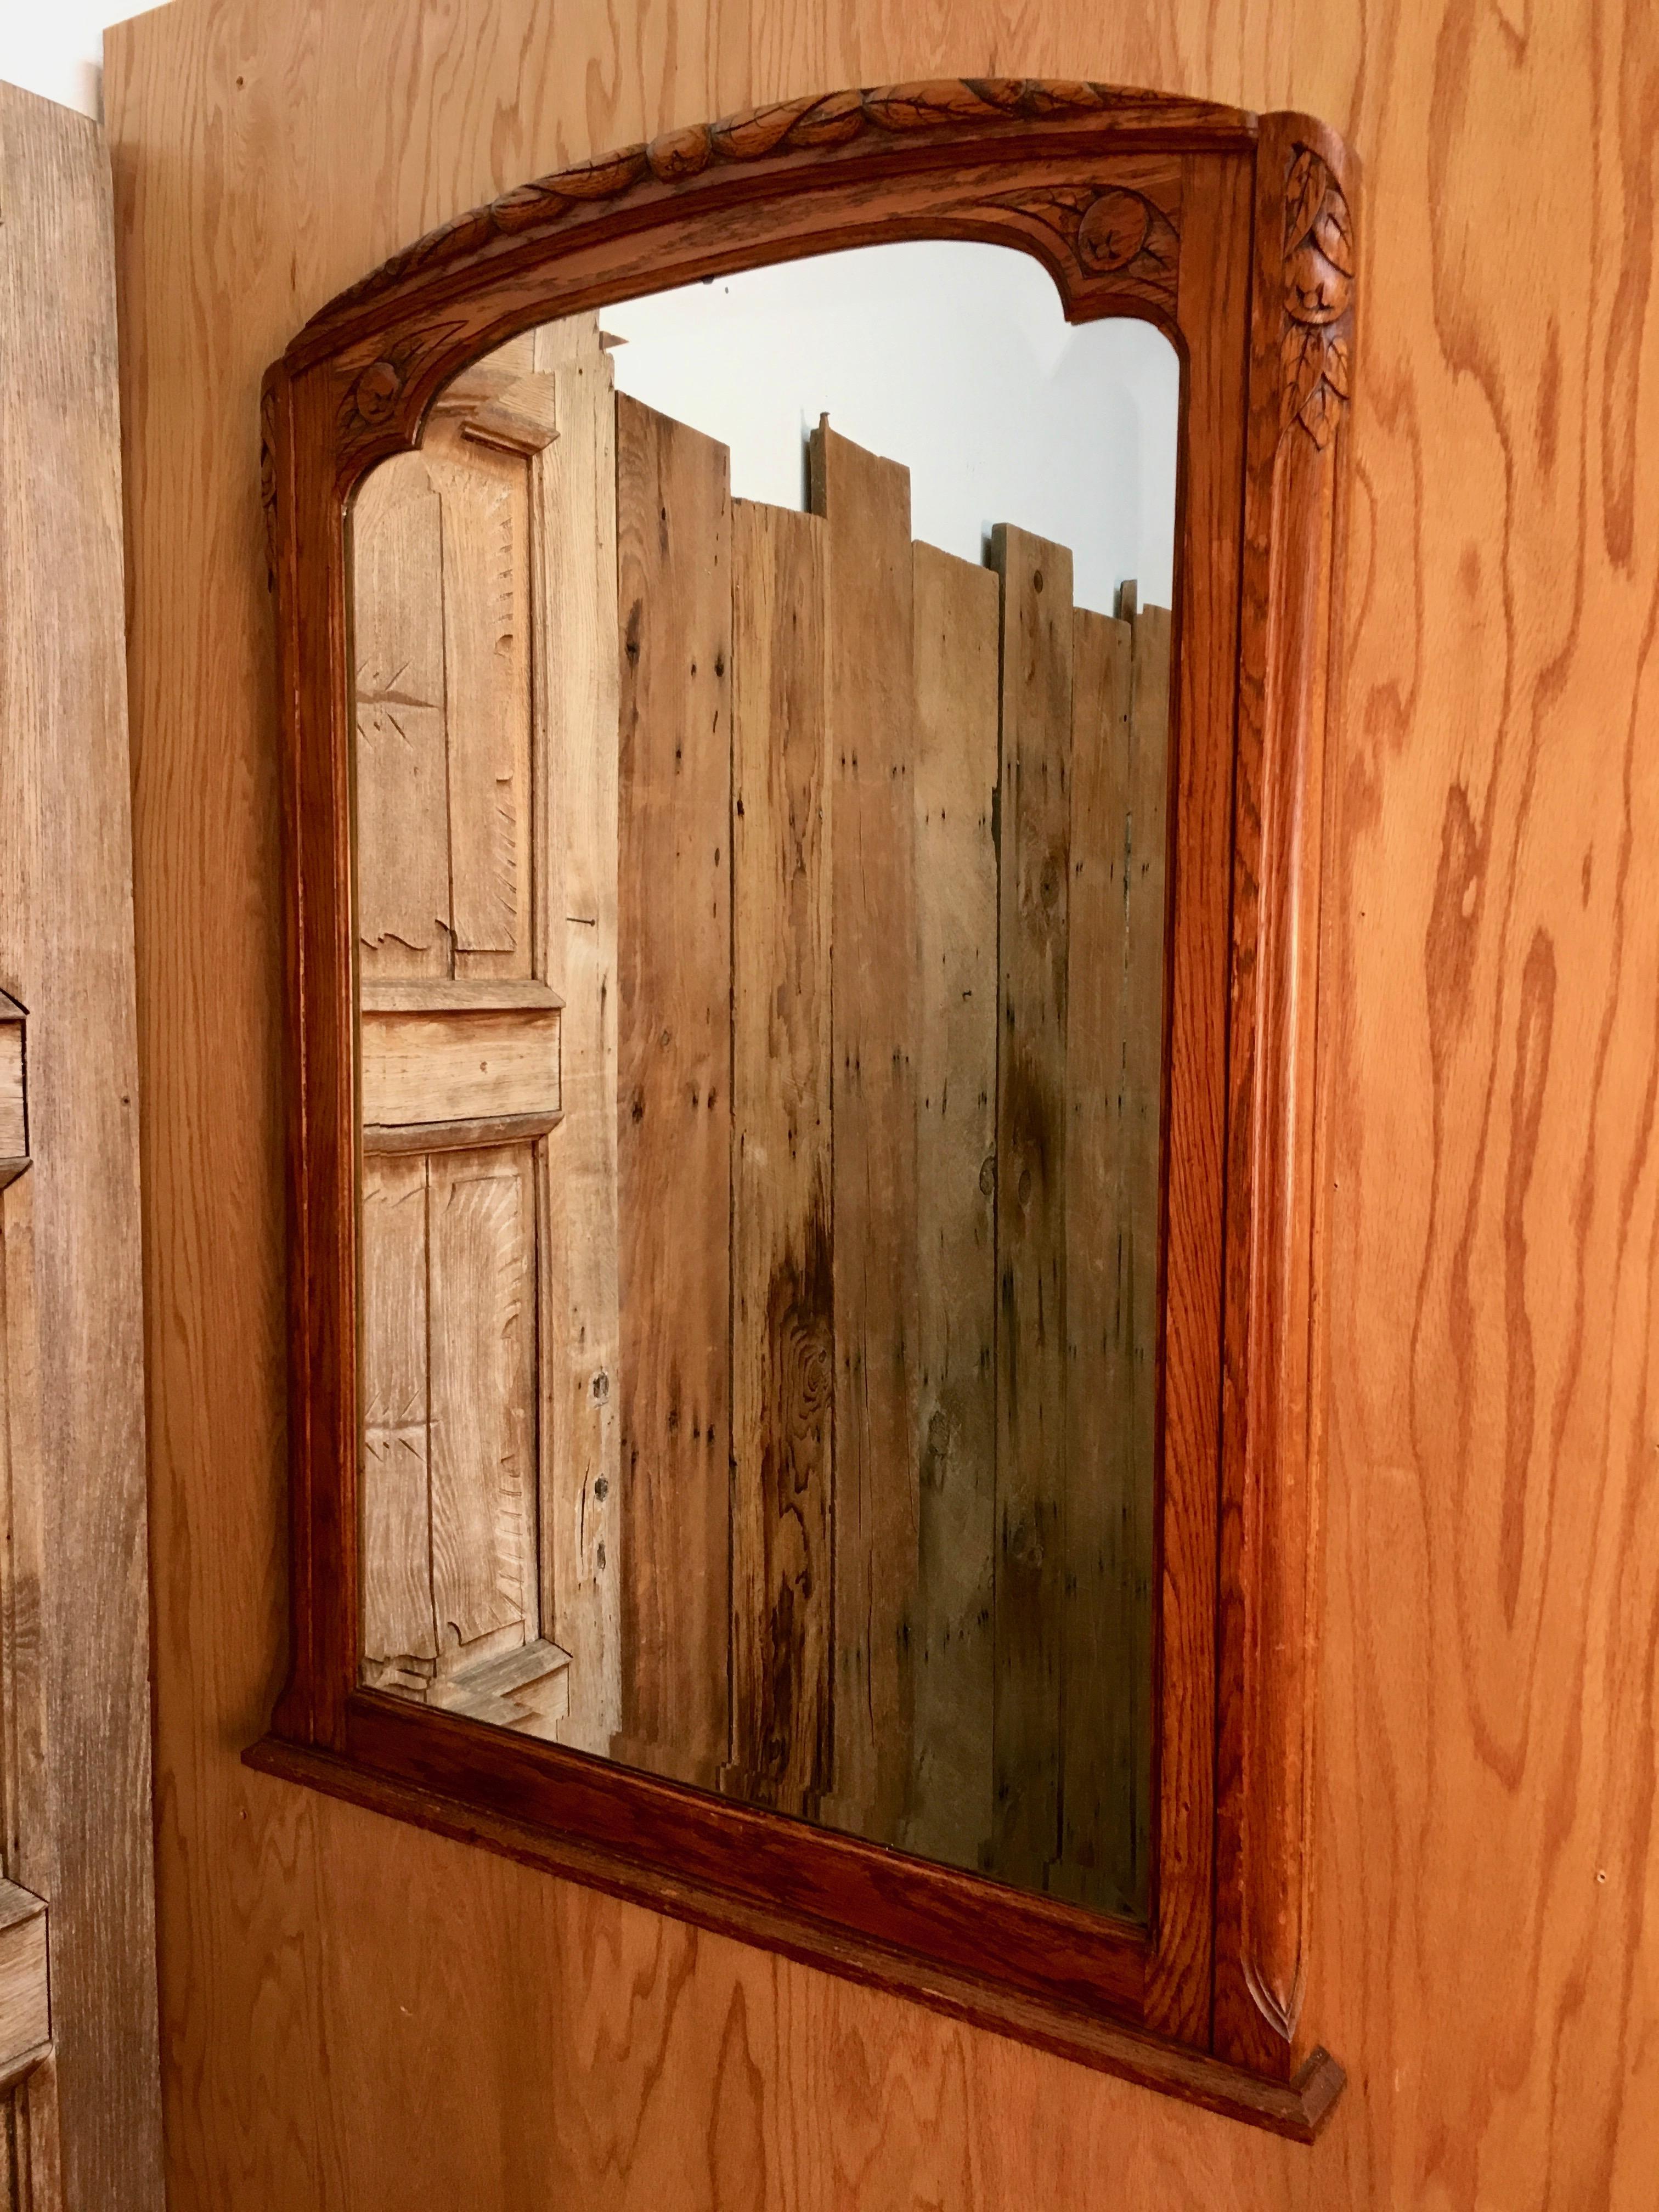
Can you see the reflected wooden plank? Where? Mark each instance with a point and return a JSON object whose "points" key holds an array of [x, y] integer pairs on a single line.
{"points": [[782, 1318], [574, 490], [1035, 840], [397, 1617], [957, 619], [867, 504], [674, 1051]]}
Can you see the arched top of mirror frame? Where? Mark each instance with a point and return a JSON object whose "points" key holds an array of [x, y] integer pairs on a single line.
{"points": [[1089, 178]]}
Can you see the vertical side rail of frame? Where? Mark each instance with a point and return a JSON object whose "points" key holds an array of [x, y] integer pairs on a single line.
{"points": [[309, 563], [1301, 327]]}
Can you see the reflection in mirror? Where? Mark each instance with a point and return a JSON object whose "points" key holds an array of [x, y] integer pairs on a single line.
{"points": [[761, 896]]}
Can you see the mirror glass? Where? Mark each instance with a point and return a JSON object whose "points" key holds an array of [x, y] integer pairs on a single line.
{"points": [[761, 762]]}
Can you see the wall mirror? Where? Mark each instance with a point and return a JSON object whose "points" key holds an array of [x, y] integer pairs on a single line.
{"points": [[805, 651]]}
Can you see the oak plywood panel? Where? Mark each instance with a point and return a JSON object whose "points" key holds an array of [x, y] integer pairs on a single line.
{"points": [[954, 799], [1490, 981], [674, 1106], [782, 1292], [866, 504]]}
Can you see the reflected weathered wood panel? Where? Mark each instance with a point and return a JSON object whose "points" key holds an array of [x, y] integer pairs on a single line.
{"points": [[1031, 1196], [865, 503], [955, 802], [782, 1302], [674, 1062]]}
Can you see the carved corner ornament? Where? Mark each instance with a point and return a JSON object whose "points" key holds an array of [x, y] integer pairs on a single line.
{"points": [[1318, 297]]}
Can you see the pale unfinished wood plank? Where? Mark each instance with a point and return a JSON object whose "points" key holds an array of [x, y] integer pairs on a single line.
{"points": [[397, 1571], [574, 495], [1147, 885], [416, 995], [1106, 1651], [481, 1227], [957, 645], [1035, 808], [13, 1116], [674, 1050], [487, 695], [782, 1301], [403, 799], [25, 2011], [66, 953], [470, 1065], [867, 504], [527, 1689]]}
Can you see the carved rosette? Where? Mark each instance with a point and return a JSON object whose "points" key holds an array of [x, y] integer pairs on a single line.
{"points": [[373, 393], [1318, 297], [1109, 231]]}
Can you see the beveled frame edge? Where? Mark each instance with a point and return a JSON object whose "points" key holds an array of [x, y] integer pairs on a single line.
{"points": [[1298, 2110], [1268, 1520], [1271, 1552]]}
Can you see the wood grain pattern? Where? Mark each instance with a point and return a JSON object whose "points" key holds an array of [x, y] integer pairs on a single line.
{"points": [[674, 1108], [1105, 1623], [482, 1333], [1484, 1228], [398, 1622], [1030, 1200], [574, 495], [65, 954], [866, 504], [957, 727], [25, 2011], [782, 1291], [471, 1066], [14, 1119]]}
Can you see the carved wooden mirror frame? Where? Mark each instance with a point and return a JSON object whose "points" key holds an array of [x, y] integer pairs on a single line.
{"points": [[1231, 233]]}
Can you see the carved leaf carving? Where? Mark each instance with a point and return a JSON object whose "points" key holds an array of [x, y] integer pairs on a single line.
{"points": [[1318, 298], [834, 119]]}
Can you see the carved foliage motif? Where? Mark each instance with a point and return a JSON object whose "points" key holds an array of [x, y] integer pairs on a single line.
{"points": [[1115, 231], [795, 126], [1318, 297], [374, 392]]}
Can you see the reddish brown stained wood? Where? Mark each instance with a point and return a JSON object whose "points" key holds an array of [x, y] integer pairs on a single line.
{"points": [[782, 1302], [1209, 651], [674, 1060], [1301, 333], [1030, 1204], [955, 802], [866, 504]]}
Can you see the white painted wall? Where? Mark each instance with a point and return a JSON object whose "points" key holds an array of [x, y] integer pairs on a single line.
{"points": [[57, 47], [952, 358]]}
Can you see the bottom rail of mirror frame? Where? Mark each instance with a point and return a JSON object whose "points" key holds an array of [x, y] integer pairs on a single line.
{"points": [[818, 1896]]}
